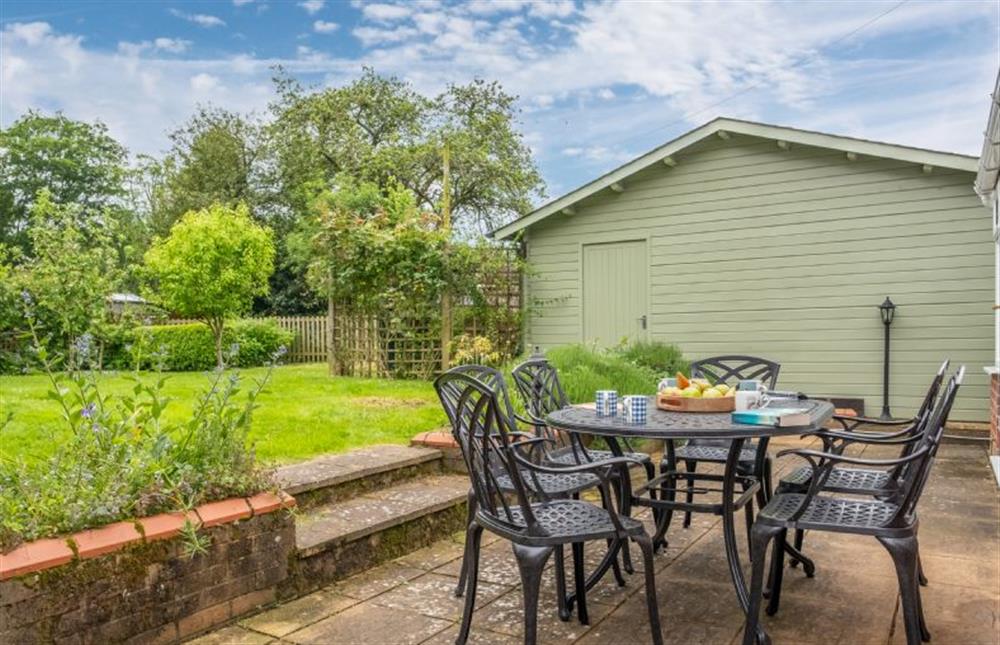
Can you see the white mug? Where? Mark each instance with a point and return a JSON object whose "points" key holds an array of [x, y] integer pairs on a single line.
{"points": [[749, 395]]}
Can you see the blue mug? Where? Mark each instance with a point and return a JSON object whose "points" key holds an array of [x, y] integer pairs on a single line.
{"points": [[606, 403], [635, 408]]}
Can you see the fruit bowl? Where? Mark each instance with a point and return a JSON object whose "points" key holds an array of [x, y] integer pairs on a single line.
{"points": [[673, 403]]}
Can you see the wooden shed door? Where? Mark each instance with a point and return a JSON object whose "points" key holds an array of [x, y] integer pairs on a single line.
{"points": [[615, 280]]}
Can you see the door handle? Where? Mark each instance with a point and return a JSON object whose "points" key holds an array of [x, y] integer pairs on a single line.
{"points": [[642, 320]]}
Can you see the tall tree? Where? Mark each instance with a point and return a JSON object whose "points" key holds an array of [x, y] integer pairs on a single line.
{"points": [[212, 265], [218, 156], [78, 163], [379, 129]]}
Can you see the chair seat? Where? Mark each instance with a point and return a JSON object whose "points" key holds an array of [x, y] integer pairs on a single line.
{"points": [[566, 456], [843, 480], [551, 484], [829, 512], [714, 454], [562, 519]]}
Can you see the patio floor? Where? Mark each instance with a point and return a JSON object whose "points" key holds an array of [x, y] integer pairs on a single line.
{"points": [[852, 599]]}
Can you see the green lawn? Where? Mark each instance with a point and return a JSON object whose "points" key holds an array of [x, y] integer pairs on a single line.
{"points": [[302, 413]]}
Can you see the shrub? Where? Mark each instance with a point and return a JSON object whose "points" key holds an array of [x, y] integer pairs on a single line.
{"points": [[584, 369], [191, 347], [124, 460], [663, 358]]}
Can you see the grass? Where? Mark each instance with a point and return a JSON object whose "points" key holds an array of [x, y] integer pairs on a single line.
{"points": [[302, 413]]}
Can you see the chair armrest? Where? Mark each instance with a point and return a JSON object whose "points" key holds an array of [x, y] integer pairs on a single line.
{"points": [[832, 458], [856, 421], [888, 438], [600, 468]]}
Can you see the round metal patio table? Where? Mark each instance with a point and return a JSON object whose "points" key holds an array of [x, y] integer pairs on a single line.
{"points": [[664, 425]]}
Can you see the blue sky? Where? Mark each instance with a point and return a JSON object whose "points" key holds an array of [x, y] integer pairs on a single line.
{"points": [[600, 82]]}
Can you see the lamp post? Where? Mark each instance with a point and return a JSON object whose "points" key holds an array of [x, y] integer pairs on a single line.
{"points": [[887, 310]]}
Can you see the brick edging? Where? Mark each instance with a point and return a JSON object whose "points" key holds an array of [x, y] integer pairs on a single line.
{"points": [[47, 553]]}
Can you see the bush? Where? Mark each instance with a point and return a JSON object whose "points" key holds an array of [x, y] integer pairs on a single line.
{"points": [[583, 370], [191, 347], [662, 358], [123, 459]]}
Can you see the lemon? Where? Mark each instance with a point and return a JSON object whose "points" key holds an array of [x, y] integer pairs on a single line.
{"points": [[692, 391], [712, 394]]}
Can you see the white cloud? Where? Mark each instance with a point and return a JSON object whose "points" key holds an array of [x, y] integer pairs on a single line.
{"points": [[370, 36], [552, 8], [240, 3], [385, 12], [200, 19], [605, 93], [170, 45], [490, 7], [204, 82], [325, 27], [312, 7]]}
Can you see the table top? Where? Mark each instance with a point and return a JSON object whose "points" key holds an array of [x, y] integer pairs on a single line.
{"points": [[661, 424]]}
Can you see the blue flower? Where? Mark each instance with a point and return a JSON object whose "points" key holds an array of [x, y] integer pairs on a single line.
{"points": [[88, 411]]}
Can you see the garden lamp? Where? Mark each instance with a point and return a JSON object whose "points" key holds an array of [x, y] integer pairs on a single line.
{"points": [[888, 311]]}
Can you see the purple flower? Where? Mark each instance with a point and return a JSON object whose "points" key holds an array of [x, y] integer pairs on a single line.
{"points": [[88, 411]]}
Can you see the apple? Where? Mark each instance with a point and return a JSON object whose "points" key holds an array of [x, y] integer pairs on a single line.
{"points": [[692, 391]]}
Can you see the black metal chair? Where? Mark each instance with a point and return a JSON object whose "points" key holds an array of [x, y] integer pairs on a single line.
{"points": [[537, 382], [865, 481], [540, 484], [892, 521], [753, 461], [485, 432]]}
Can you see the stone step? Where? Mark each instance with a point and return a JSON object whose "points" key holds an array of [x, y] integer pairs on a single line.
{"points": [[341, 538], [337, 477]]}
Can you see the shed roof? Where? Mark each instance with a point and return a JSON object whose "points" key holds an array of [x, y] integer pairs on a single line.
{"points": [[724, 125], [989, 161]]}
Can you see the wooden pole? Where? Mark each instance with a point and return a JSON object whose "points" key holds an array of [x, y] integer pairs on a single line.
{"points": [[331, 354], [446, 226]]}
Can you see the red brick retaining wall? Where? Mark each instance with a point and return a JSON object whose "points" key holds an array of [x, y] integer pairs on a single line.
{"points": [[133, 581], [995, 414]]}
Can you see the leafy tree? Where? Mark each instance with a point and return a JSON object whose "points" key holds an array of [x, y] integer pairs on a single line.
{"points": [[378, 129], [78, 163], [373, 248], [217, 156], [212, 265], [70, 275]]}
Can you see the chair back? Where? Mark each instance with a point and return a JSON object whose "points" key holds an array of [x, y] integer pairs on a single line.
{"points": [[922, 418], [915, 475], [733, 367], [480, 425], [537, 383], [723, 369]]}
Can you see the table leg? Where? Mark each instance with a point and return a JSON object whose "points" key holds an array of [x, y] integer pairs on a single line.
{"points": [[625, 498], [729, 533]]}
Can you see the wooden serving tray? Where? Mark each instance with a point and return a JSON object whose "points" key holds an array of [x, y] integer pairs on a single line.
{"points": [[689, 404]]}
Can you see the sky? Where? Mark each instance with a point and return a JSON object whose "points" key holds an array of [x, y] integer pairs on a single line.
{"points": [[599, 82]]}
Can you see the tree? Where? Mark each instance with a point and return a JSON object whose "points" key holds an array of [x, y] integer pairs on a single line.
{"points": [[218, 156], [78, 163], [379, 130], [211, 266], [70, 275], [373, 248]]}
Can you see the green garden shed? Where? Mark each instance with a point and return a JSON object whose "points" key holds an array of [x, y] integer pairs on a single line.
{"points": [[747, 238]]}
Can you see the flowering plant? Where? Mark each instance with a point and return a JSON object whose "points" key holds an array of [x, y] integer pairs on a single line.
{"points": [[121, 459]]}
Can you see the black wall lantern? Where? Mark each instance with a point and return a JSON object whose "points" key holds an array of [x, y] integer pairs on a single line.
{"points": [[887, 310]]}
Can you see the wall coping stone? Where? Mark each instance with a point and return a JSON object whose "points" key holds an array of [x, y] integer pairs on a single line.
{"points": [[47, 553]]}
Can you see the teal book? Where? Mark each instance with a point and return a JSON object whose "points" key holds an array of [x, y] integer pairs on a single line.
{"points": [[777, 417]]}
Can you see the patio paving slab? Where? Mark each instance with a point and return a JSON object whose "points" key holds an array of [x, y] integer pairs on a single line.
{"points": [[853, 598]]}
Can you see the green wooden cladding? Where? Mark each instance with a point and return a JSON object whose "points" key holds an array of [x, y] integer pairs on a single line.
{"points": [[751, 249]]}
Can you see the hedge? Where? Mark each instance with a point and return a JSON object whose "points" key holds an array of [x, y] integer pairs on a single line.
{"points": [[190, 347]]}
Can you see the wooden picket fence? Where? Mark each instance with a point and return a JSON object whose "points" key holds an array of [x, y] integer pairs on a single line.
{"points": [[308, 345], [311, 338]]}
